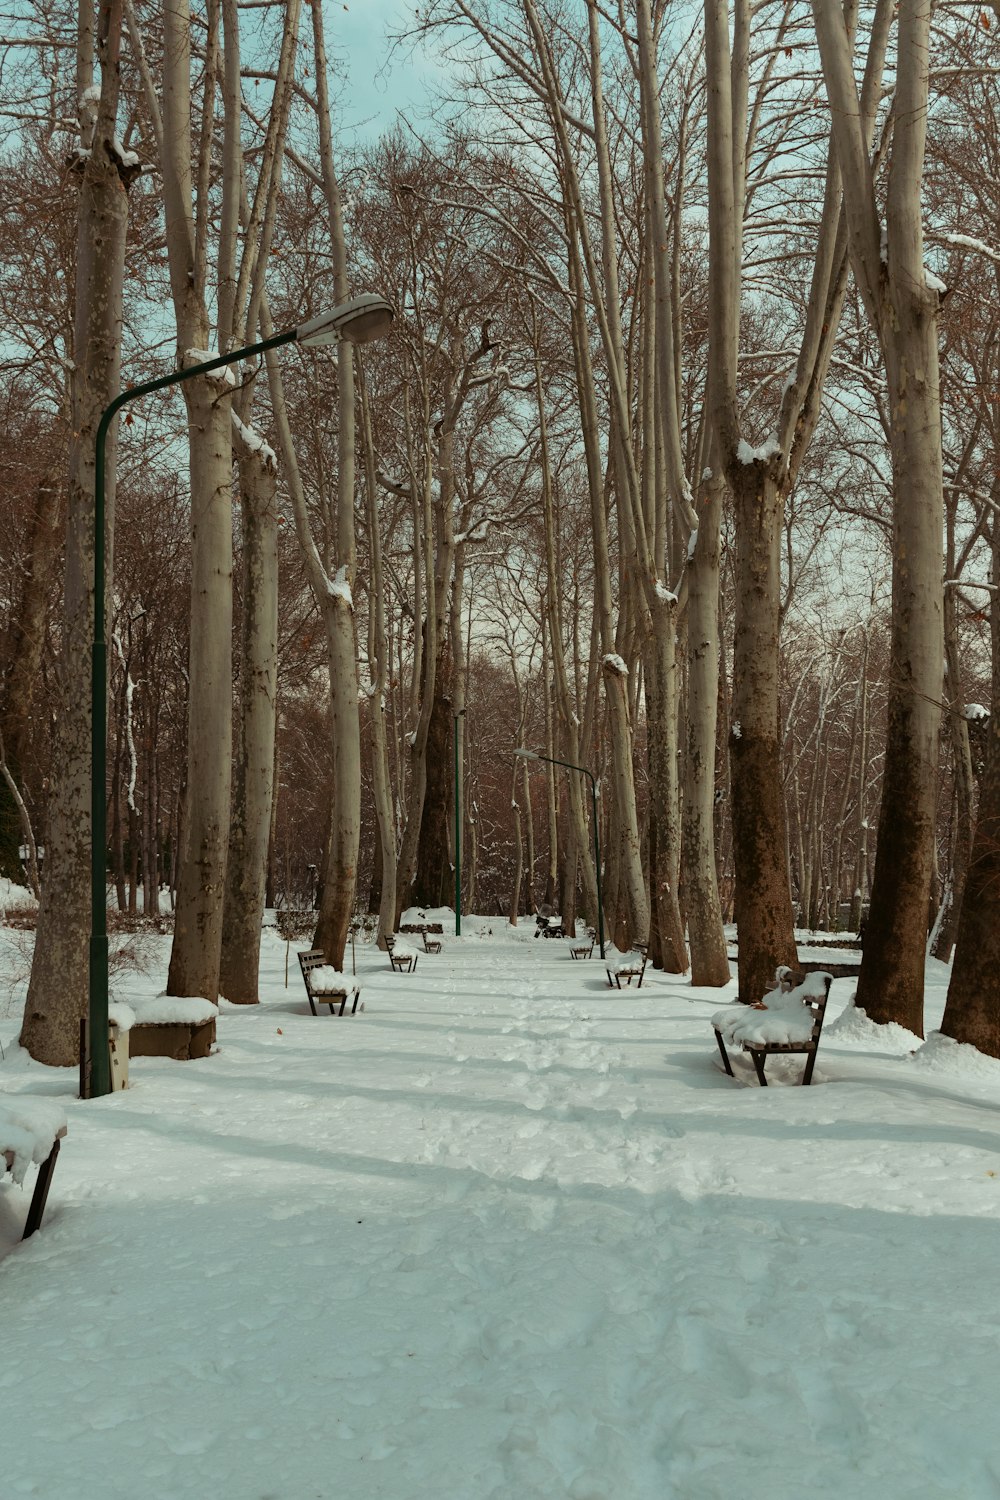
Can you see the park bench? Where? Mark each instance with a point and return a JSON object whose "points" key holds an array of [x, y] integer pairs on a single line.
{"points": [[582, 947], [402, 957], [432, 944], [326, 985], [31, 1130], [788, 1020], [628, 966]]}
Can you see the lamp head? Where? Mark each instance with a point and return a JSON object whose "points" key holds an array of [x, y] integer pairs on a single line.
{"points": [[528, 754], [358, 321]]}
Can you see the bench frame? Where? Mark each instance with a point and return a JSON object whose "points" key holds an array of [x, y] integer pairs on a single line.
{"points": [[314, 958], [43, 1182], [760, 1051]]}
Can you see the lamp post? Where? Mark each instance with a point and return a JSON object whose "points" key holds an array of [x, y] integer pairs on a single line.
{"points": [[458, 829], [358, 321], [551, 759]]}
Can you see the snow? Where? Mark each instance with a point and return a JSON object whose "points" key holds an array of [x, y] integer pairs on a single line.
{"points": [[975, 711], [509, 1235], [222, 376], [339, 588], [173, 1010], [932, 282], [326, 977], [748, 455], [786, 1017], [28, 1128], [126, 158], [619, 962], [256, 444], [972, 244], [662, 592], [615, 663], [736, 730]]}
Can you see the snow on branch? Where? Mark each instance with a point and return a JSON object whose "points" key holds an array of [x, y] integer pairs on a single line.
{"points": [[223, 376], [255, 444], [339, 588], [748, 455]]}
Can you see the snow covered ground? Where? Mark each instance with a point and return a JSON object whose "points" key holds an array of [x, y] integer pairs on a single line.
{"points": [[507, 1235]]}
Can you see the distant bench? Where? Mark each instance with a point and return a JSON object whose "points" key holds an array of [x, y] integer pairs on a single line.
{"points": [[31, 1130]]}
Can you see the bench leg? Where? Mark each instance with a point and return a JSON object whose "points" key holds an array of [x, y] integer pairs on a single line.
{"points": [[312, 1004], [758, 1062], [807, 1076], [725, 1055], [40, 1196]]}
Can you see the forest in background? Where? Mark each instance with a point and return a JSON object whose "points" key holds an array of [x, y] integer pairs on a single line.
{"points": [[678, 463]]}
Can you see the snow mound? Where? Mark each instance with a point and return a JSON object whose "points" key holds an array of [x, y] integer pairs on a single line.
{"points": [[854, 1025], [942, 1054]]}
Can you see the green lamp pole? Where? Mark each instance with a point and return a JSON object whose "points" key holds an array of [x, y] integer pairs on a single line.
{"points": [[458, 831], [533, 755], [357, 321]]}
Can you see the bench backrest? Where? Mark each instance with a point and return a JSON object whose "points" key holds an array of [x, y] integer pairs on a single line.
{"points": [[309, 959], [817, 1004]]}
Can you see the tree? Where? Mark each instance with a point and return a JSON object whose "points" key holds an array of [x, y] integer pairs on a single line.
{"points": [[902, 304]]}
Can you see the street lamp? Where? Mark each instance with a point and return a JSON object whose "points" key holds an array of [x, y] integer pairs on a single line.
{"points": [[458, 830], [551, 759], [355, 322]]}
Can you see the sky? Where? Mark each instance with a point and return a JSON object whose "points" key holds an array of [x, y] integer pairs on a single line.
{"points": [[378, 86]]}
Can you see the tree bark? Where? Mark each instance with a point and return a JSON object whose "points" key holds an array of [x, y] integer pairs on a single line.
{"points": [[58, 988], [246, 865]]}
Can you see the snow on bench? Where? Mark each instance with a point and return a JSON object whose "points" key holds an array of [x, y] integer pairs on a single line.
{"points": [[627, 966], [181, 1027], [401, 956], [31, 1130], [326, 985], [787, 1020]]}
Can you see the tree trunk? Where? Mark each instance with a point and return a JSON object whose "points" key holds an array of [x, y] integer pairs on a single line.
{"points": [[23, 656], [58, 988], [972, 1011], [763, 901], [253, 788], [197, 946], [707, 940]]}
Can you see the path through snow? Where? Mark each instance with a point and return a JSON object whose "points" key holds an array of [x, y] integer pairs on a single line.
{"points": [[508, 1235]]}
